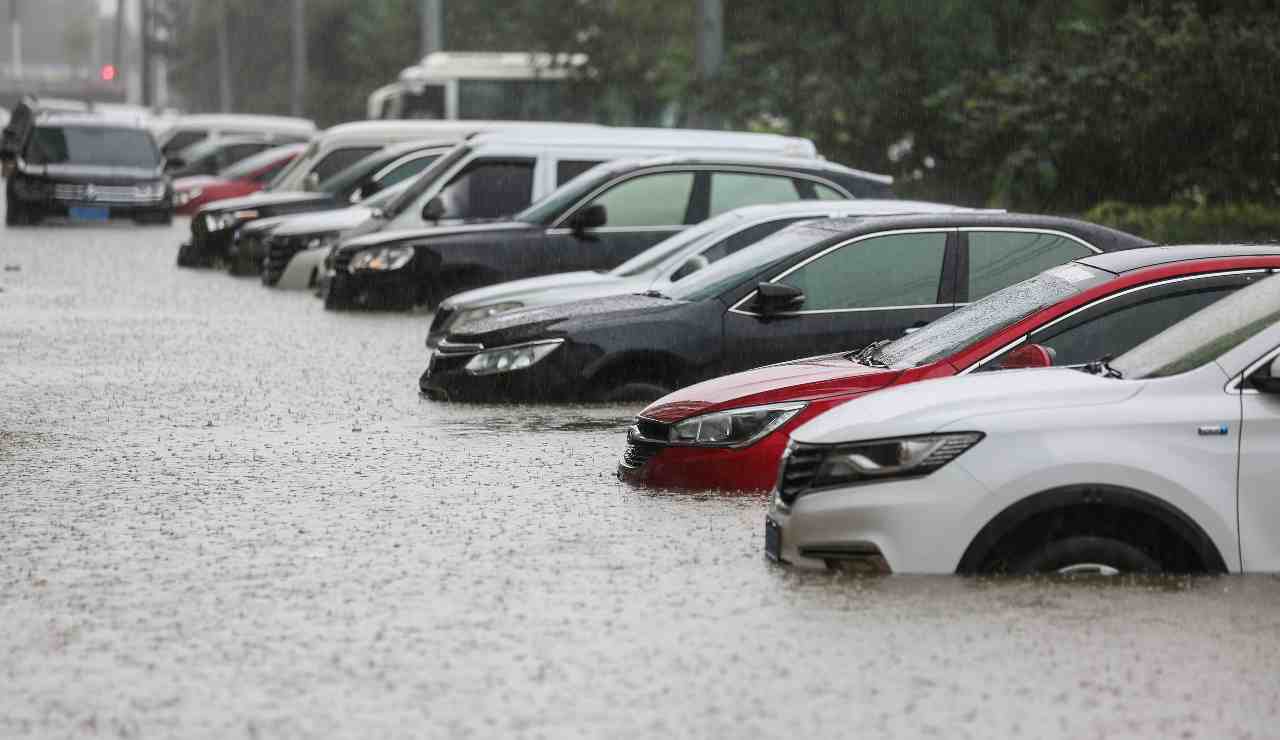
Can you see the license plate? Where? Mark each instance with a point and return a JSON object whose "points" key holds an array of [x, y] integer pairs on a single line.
{"points": [[89, 213], [772, 540]]}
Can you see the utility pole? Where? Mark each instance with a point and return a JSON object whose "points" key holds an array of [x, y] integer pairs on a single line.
{"points": [[148, 79], [224, 59], [15, 37], [708, 55], [117, 48], [297, 101], [431, 30]]}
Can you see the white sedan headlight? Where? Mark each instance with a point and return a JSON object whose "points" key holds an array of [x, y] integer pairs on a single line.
{"points": [[734, 427], [515, 357], [484, 312], [382, 259], [891, 458]]}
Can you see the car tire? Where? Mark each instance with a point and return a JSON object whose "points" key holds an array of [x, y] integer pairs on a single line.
{"points": [[187, 257], [1087, 555], [636, 391]]}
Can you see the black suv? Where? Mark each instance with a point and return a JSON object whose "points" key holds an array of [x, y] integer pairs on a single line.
{"points": [[596, 221], [82, 166], [810, 289]]}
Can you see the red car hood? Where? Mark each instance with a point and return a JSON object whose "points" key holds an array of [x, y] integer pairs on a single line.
{"points": [[799, 380]]}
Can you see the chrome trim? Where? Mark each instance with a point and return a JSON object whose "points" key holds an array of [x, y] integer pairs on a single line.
{"points": [[737, 307], [619, 229], [1103, 300], [1033, 230], [445, 347], [750, 169]]}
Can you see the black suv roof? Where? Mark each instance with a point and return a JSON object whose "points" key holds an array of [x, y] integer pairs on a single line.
{"points": [[1120, 262]]}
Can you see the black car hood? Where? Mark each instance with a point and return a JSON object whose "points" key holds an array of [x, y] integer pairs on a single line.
{"points": [[266, 200], [470, 228], [91, 173], [514, 327]]}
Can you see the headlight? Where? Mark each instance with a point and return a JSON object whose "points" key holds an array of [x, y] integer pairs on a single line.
{"points": [[151, 190], [483, 312], [186, 196], [733, 428], [226, 220], [319, 241], [381, 259], [862, 462], [515, 357]]}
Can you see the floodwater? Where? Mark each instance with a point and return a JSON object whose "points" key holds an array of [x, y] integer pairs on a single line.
{"points": [[225, 512]]}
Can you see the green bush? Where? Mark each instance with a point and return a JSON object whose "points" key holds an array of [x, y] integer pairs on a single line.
{"points": [[1188, 223]]}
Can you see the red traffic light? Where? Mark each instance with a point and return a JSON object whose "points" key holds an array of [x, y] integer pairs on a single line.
{"points": [[108, 72]]}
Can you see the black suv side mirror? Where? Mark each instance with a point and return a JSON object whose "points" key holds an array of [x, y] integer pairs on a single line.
{"points": [[776, 298], [1267, 378], [433, 210], [592, 217]]}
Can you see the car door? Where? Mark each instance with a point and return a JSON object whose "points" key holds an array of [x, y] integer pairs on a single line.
{"points": [[640, 211], [1114, 324], [1258, 497], [870, 288]]}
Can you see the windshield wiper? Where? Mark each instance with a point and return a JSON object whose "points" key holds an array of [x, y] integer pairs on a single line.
{"points": [[867, 355], [1103, 368]]}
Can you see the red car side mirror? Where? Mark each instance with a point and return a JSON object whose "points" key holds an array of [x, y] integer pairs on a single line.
{"points": [[1028, 356]]}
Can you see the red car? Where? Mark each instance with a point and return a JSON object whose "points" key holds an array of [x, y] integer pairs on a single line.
{"points": [[245, 177], [729, 433]]}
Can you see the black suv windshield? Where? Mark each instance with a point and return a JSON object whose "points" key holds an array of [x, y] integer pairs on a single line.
{"points": [[344, 181], [1205, 335], [977, 321], [422, 182], [98, 146]]}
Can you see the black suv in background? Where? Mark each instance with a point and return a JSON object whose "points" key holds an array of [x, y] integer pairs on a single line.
{"points": [[596, 221], [84, 167], [810, 289]]}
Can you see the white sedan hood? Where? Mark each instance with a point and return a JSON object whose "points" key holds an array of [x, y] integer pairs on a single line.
{"points": [[340, 219], [921, 408]]}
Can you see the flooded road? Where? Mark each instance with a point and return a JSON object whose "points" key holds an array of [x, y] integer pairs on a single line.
{"points": [[225, 512]]}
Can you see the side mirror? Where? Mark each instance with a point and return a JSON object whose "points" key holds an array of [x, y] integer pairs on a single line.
{"points": [[433, 210], [775, 298], [366, 190], [690, 266], [1267, 379], [312, 182], [1028, 356], [592, 217]]}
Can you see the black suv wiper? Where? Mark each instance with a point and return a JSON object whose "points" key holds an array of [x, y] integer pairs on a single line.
{"points": [[867, 355], [1103, 368]]}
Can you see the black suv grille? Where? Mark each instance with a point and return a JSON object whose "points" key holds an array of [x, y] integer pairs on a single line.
{"points": [[799, 470]]}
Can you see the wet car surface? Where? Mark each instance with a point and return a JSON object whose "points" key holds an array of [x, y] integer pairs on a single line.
{"points": [[224, 511]]}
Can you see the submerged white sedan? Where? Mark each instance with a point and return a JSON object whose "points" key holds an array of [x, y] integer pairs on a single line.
{"points": [[1166, 459]]}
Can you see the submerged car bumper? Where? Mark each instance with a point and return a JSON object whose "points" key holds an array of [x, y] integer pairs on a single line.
{"points": [[394, 290], [752, 468], [553, 379], [901, 526]]}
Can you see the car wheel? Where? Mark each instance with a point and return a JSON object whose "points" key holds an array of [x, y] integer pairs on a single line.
{"points": [[187, 257], [635, 391], [1087, 555]]}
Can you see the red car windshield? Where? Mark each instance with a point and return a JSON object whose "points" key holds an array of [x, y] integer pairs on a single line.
{"points": [[987, 317]]}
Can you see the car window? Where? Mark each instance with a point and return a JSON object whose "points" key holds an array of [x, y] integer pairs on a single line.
{"points": [[182, 140], [405, 170], [567, 169], [998, 259], [489, 189], [746, 238], [237, 152], [891, 270], [825, 193], [730, 190], [649, 200], [340, 159], [1113, 327]]}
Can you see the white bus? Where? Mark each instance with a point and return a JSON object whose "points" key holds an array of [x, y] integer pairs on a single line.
{"points": [[451, 85]]}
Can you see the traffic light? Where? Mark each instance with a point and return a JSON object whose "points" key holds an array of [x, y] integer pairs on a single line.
{"points": [[107, 73]]}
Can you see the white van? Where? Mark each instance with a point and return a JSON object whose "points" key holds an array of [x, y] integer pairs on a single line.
{"points": [[188, 130], [494, 175]]}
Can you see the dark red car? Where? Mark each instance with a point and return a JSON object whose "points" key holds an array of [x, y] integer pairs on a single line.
{"points": [[245, 177], [729, 433]]}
